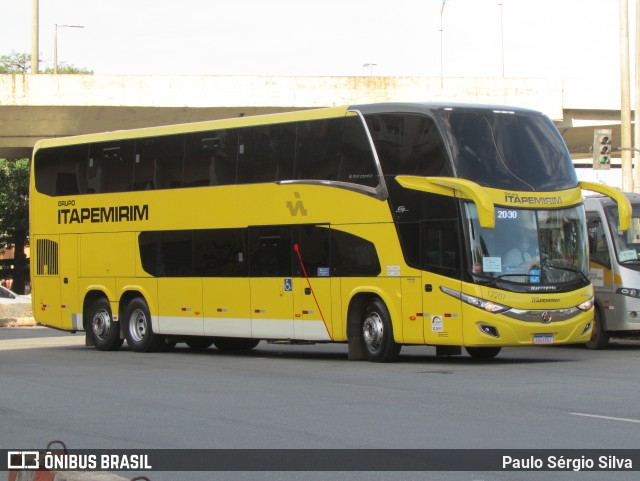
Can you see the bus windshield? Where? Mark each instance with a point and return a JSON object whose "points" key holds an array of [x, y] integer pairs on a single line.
{"points": [[627, 244], [508, 150], [528, 247]]}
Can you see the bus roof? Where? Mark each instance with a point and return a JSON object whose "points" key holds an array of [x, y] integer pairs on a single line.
{"points": [[284, 117]]}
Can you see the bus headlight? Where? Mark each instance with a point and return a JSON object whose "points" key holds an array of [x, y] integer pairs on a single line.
{"points": [[626, 291], [478, 302], [586, 305]]}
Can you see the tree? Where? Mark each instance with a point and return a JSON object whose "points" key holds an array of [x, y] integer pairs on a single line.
{"points": [[15, 62], [14, 214], [20, 63]]}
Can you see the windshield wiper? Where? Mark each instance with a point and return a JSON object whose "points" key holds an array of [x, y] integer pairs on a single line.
{"points": [[565, 268], [494, 280], [630, 261]]}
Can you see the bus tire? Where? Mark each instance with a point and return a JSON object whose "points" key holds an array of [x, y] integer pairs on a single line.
{"points": [[377, 333], [104, 331], [599, 336], [199, 343], [483, 352], [140, 335], [235, 343]]}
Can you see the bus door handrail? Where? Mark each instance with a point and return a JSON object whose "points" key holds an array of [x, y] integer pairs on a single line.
{"points": [[624, 206], [469, 189]]}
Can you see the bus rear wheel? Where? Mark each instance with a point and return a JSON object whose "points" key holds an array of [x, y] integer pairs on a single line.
{"points": [[235, 343], [377, 333], [104, 331], [483, 352], [140, 335]]}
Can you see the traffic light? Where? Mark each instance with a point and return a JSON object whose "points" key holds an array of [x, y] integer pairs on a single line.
{"points": [[602, 148]]}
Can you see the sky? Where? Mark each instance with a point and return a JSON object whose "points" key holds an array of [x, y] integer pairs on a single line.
{"points": [[466, 38]]}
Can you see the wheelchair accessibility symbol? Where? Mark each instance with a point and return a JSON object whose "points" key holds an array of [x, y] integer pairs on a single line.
{"points": [[288, 285]]}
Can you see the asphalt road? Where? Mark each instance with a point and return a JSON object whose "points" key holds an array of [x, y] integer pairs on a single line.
{"points": [[52, 387]]}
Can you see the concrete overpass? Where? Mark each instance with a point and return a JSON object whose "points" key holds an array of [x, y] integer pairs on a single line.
{"points": [[43, 106]]}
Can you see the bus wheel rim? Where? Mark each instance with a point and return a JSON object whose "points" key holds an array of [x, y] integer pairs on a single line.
{"points": [[138, 325], [373, 331], [101, 324]]}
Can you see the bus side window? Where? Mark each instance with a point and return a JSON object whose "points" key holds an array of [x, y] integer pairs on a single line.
{"points": [[409, 144], [357, 164], [110, 166], [315, 251], [271, 251], [159, 163], [317, 149], [256, 163], [199, 152], [440, 241], [222, 148], [598, 248], [47, 167], [177, 253], [353, 256], [220, 253]]}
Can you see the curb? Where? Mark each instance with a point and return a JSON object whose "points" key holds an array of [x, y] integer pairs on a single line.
{"points": [[18, 322]]}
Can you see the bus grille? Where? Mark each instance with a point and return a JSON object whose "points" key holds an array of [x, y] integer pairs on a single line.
{"points": [[47, 252]]}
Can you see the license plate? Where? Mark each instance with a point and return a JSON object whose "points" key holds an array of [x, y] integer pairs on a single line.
{"points": [[543, 338]]}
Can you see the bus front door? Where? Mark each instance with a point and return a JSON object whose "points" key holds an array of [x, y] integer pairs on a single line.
{"points": [[271, 282], [442, 311]]}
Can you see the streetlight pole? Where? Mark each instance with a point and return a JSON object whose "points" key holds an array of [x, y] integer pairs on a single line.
{"points": [[55, 44], [370, 67], [442, 44], [502, 36], [35, 27]]}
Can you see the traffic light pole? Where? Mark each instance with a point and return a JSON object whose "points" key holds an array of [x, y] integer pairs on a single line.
{"points": [[625, 100], [636, 125]]}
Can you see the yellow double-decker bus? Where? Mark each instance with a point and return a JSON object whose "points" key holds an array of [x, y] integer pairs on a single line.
{"points": [[374, 225]]}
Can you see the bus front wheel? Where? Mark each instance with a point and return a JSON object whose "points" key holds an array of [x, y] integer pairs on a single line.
{"points": [[104, 331], [140, 335], [377, 333], [483, 352], [599, 336]]}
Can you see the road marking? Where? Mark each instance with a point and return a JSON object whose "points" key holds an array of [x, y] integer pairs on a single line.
{"points": [[34, 343], [607, 417]]}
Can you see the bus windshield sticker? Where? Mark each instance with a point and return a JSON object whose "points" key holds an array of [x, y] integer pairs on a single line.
{"points": [[492, 264], [323, 272], [628, 255], [596, 276]]}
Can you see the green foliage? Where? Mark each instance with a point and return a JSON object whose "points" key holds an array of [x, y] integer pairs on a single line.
{"points": [[65, 68], [20, 63], [15, 62], [14, 199], [14, 213]]}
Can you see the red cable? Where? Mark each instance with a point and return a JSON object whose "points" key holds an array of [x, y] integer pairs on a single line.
{"points": [[296, 248]]}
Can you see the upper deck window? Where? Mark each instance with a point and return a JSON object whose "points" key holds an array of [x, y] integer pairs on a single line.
{"points": [[334, 149], [508, 150], [408, 144]]}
